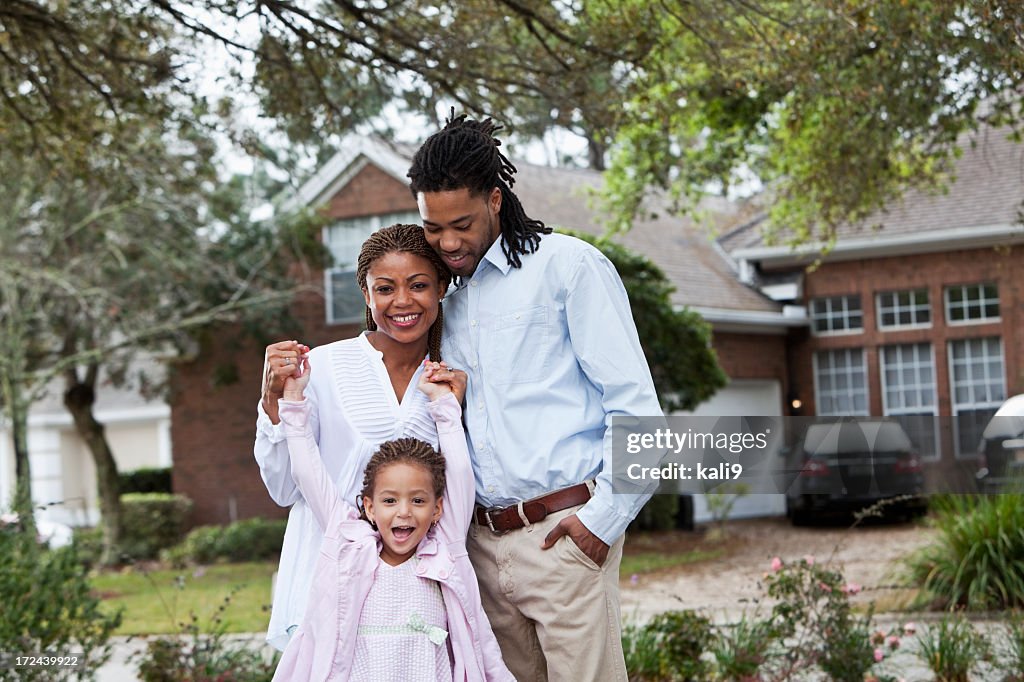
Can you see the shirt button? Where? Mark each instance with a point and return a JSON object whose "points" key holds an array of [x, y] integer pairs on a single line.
{"points": [[480, 406], [473, 365], [472, 323], [421, 570], [443, 574], [490, 488], [472, 284]]}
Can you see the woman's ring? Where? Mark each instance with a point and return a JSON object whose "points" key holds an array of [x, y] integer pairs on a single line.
{"points": [[287, 361]]}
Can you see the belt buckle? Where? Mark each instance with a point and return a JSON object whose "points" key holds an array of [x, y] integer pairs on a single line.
{"points": [[490, 521]]}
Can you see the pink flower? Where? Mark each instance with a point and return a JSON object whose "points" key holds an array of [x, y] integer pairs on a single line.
{"points": [[776, 564], [909, 628], [809, 559], [893, 641], [824, 586], [8, 518], [879, 655], [851, 588], [634, 579]]}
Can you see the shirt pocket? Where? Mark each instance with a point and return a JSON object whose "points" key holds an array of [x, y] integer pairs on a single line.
{"points": [[518, 351]]}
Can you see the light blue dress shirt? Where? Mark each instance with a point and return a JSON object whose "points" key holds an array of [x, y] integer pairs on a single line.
{"points": [[552, 355]]}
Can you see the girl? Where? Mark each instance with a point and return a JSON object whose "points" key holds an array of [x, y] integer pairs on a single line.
{"points": [[394, 595]]}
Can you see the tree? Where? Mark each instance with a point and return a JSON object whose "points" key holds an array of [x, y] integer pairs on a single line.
{"points": [[835, 106], [128, 257]]}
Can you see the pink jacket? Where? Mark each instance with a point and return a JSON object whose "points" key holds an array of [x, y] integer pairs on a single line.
{"points": [[323, 646]]}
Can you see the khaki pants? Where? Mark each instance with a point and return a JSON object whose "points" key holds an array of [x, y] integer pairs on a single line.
{"points": [[555, 613]]}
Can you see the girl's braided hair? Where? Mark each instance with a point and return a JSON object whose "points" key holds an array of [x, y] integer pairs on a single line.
{"points": [[404, 239], [465, 154], [403, 451]]}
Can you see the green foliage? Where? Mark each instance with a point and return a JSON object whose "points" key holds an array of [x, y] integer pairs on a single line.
{"points": [[152, 522], [146, 480], [88, 545], [48, 607], [252, 539], [977, 560], [676, 343], [1014, 647], [669, 647], [641, 647], [204, 653], [951, 648], [837, 106], [742, 648]]}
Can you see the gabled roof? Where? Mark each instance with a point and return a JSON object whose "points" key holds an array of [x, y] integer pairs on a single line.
{"points": [[981, 206], [562, 197]]}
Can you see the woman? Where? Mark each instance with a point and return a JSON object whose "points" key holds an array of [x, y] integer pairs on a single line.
{"points": [[362, 394]]}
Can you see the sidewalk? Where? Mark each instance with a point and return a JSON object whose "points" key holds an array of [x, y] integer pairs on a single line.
{"points": [[122, 668]]}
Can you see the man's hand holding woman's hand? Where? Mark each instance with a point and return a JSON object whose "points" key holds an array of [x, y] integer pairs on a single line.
{"points": [[438, 379]]}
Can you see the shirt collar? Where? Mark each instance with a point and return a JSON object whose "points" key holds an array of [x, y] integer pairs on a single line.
{"points": [[496, 257]]}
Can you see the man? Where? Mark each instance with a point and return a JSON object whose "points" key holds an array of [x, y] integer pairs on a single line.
{"points": [[542, 325]]}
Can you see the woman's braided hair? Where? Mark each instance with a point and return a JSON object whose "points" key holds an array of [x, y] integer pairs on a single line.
{"points": [[404, 239], [465, 154], [403, 451]]}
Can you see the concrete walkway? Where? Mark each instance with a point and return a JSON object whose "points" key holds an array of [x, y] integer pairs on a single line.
{"points": [[123, 664]]}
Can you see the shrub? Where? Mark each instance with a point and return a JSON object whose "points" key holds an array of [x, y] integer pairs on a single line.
{"points": [[951, 648], [1015, 647], [88, 545], [152, 522], [977, 560], [742, 648], [253, 539], [48, 606], [641, 648], [146, 480], [813, 615], [659, 512]]}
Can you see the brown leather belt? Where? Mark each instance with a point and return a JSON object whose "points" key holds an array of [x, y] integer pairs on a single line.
{"points": [[503, 519]]}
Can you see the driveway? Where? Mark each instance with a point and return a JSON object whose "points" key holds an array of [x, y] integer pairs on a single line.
{"points": [[726, 586]]}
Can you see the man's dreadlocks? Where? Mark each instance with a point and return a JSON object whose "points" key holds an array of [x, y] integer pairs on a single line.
{"points": [[465, 154]]}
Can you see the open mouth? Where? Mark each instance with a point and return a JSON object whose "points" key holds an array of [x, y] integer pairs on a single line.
{"points": [[402, 533]]}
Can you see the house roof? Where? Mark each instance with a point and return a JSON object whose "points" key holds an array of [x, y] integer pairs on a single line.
{"points": [[562, 197], [981, 206]]}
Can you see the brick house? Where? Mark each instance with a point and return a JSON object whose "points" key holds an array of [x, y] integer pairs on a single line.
{"points": [[917, 311], [365, 187]]}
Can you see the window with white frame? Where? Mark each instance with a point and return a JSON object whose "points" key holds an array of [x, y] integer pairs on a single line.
{"points": [[841, 382], [909, 394], [898, 309], [344, 239], [969, 303], [836, 315], [978, 385]]}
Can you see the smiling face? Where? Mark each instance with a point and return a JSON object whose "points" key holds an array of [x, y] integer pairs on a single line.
{"points": [[402, 293], [460, 226], [403, 506]]}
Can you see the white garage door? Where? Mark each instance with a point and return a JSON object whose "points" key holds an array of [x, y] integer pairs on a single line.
{"points": [[743, 398]]}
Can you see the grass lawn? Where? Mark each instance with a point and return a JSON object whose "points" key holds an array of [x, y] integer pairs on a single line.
{"points": [[648, 562], [158, 602]]}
